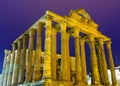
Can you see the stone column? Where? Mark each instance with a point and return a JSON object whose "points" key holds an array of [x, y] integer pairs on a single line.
{"points": [[21, 78], [29, 64], [111, 63], [54, 55], [7, 69], [83, 60], [68, 56], [104, 65], [47, 74], [37, 75], [78, 59], [93, 59], [64, 56], [16, 64], [4, 66], [100, 69], [11, 65]]}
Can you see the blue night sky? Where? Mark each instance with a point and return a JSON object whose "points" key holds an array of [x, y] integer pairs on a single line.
{"points": [[16, 16]]}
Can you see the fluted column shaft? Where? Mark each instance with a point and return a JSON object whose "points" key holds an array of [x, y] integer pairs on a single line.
{"points": [[104, 65], [11, 65], [68, 56], [47, 74], [111, 63], [7, 68], [54, 56], [83, 60], [64, 52], [93, 61], [37, 75], [16, 64], [78, 58], [22, 61], [30, 59], [4, 66], [100, 64]]}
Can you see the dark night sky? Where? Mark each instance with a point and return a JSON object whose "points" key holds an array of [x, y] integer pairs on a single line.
{"points": [[16, 16]]}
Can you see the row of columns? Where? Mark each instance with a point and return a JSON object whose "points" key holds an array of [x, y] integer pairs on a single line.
{"points": [[101, 76], [27, 69], [17, 70], [21, 67]]}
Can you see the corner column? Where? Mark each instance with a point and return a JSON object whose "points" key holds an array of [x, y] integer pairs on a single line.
{"points": [[29, 64], [47, 71], [78, 59], [22, 61], [111, 63], [11, 65], [94, 65], [83, 60], [16, 64], [4, 66], [37, 65], [104, 65], [7, 68]]}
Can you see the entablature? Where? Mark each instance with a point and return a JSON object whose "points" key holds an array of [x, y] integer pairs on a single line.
{"points": [[78, 19]]}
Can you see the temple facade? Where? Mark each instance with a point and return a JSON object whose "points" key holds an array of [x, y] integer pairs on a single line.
{"points": [[27, 65]]}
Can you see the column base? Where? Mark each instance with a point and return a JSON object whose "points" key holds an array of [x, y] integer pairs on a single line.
{"points": [[115, 85], [99, 85], [105, 84], [46, 82], [81, 83], [14, 84], [64, 83], [96, 85], [37, 76]]}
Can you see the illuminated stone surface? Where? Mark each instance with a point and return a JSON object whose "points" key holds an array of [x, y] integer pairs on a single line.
{"points": [[34, 67]]}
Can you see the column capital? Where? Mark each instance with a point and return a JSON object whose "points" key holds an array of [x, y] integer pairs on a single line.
{"points": [[25, 36], [31, 32], [8, 58], [6, 51], [108, 43], [91, 37], [49, 17], [40, 24], [13, 44], [48, 22], [76, 32], [63, 26], [101, 41], [39, 27], [19, 42], [82, 41]]}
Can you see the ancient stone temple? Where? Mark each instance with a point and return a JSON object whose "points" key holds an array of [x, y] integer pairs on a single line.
{"points": [[28, 65]]}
